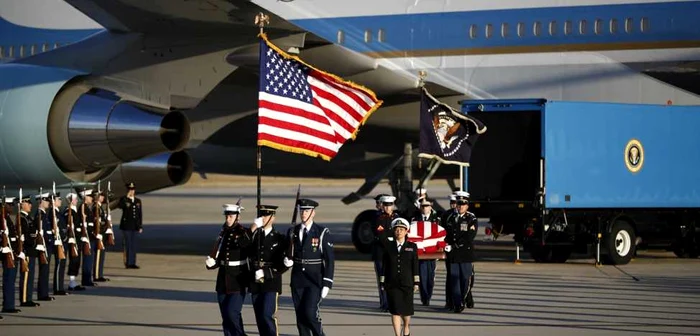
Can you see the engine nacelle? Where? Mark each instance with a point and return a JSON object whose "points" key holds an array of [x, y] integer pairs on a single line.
{"points": [[152, 173]]}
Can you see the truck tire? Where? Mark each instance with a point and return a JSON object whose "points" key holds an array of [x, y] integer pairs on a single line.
{"points": [[362, 233], [620, 244]]}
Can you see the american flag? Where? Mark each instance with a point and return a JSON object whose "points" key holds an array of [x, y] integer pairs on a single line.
{"points": [[304, 110], [428, 236]]}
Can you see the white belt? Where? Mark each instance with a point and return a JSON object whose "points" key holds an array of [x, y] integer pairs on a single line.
{"points": [[13, 239], [234, 263], [49, 232], [78, 229]]}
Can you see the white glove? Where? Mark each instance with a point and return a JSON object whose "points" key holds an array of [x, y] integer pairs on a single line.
{"points": [[84, 239], [99, 236], [109, 218], [21, 237], [258, 222], [448, 248], [6, 250], [57, 242], [324, 292], [259, 274], [109, 231], [21, 255], [41, 248], [210, 262], [71, 240], [287, 262]]}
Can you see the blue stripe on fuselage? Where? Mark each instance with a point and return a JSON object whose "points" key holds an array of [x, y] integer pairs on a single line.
{"points": [[667, 22], [14, 35]]}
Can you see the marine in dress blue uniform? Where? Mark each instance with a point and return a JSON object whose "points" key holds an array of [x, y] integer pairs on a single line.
{"points": [[426, 267], [46, 227], [382, 224], [9, 275], [73, 238], [233, 278], [131, 224], [461, 229], [313, 263], [29, 233], [59, 271], [267, 253]]}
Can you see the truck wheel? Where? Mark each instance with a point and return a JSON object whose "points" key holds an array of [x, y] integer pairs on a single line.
{"points": [[620, 243], [541, 254], [362, 233], [561, 253]]}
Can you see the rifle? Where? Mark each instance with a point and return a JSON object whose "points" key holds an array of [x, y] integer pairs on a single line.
{"points": [[110, 236], [10, 256], [60, 252], [98, 219], [84, 235], [23, 266], [290, 252], [217, 246], [40, 233]]}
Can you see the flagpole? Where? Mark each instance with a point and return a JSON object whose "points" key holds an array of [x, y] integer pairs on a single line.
{"points": [[261, 20]]}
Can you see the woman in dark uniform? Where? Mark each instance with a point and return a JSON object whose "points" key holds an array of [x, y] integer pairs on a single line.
{"points": [[400, 279]]}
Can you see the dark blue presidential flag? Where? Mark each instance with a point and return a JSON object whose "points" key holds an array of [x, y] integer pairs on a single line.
{"points": [[446, 134]]}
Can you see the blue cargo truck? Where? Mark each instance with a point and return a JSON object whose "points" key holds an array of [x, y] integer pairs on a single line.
{"points": [[560, 176]]}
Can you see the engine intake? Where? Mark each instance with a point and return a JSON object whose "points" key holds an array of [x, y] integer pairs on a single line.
{"points": [[153, 172]]}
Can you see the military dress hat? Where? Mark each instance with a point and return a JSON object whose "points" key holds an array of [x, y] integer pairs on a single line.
{"points": [[57, 194], [9, 200], [43, 197], [387, 200], [130, 186], [87, 192], [71, 196], [462, 197], [378, 197], [232, 209], [400, 222], [305, 203], [453, 198], [27, 199], [268, 210]]}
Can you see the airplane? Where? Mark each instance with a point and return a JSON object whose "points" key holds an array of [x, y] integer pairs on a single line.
{"points": [[150, 91]]}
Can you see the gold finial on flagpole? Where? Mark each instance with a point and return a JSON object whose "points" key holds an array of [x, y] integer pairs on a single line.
{"points": [[421, 77], [261, 20]]}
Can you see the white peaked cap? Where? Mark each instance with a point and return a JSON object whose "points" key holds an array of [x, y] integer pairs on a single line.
{"points": [[71, 196], [387, 199], [461, 194], [232, 208], [400, 222], [9, 199], [87, 192], [421, 191], [40, 196]]}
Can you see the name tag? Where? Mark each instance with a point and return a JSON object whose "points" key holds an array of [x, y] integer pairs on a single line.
{"points": [[464, 227], [408, 249]]}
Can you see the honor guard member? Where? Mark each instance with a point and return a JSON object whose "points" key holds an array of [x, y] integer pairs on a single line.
{"points": [[73, 223], [98, 270], [382, 225], [426, 267], [461, 227], [267, 253], [59, 271], [231, 258], [313, 266], [379, 203], [9, 275], [448, 286], [43, 217], [87, 218], [30, 230], [131, 224]]}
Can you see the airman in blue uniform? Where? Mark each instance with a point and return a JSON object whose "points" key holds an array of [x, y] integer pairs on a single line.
{"points": [[426, 267], [313, 263]]}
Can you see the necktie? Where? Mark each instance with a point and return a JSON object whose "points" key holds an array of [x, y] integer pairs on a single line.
{"points": [[303, 238], [399, 249]]}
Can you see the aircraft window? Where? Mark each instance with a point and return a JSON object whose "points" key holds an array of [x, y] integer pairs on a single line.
{"points": [[489, 30], [56, 45], [380, 35], [567, 27], [21, 51], [644, 24], [598, 28], [553, 28], [473, 31], [504, 30], [628, 25], [536, 28], [33, 50], [582, 27], [2, 52], [368, 36], [340, 37], [521, 29], [613, 26], [11, 52], [44, 47]]}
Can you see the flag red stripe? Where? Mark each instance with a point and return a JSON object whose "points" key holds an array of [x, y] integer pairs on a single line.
{"points": [[293, 111], [296, 128], [330, 113], [351, 111], [330, 81], [296, 144]]}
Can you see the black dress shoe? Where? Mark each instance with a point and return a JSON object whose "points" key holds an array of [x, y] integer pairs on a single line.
{"points": [[29, 304], [101, 280], [48, 298], [60, 293], [76, 288], [11, 311], [133, 266], [470, 301]]}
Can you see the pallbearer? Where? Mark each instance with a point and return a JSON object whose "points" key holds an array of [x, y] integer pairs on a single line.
{"points": [[267, 259], [231, 258]]}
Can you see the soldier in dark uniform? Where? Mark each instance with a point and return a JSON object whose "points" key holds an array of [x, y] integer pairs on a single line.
{"points": [[267, 253], [400, 278], [98, 270], [87, 218], [74, 239], [46, 227], [381, 226], [448, 285], [29, 233], [426, 266], [313, 266], [461, 229], [59, 271], [9, 275], [131, 224], [233, 278]]}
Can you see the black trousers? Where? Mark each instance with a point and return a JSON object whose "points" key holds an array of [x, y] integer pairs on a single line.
{"points": [[307, 302]]}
